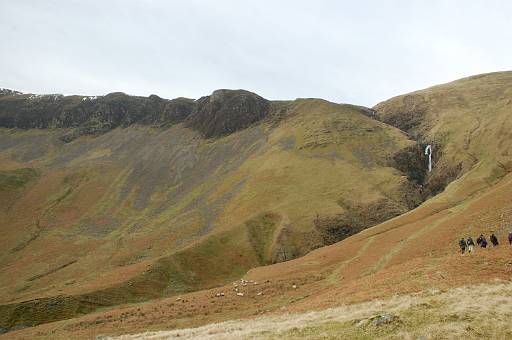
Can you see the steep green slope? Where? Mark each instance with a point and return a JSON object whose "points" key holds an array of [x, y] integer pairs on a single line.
{"points": [[138, 212], [141, 212]]}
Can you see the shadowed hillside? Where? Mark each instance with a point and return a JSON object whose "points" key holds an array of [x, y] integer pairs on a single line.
{"points": [[121, 199]]}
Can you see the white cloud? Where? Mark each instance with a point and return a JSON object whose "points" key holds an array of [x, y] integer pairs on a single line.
{"points": [[359, 52]]}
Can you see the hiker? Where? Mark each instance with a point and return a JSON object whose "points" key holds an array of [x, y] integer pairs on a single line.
{"points": [[481, 241], [462, 245], [470, 244], [510, 238], [494, 240]]}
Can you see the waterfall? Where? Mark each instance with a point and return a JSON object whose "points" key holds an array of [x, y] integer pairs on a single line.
{"points": [[428, 151]]}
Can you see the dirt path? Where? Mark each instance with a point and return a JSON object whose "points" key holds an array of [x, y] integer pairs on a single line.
{"points": [[384, 260], [334, 277]]}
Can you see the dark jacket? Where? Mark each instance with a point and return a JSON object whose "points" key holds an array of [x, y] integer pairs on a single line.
{"points": [[462, 244], [494, 240], [470, 242], [481, 241]]}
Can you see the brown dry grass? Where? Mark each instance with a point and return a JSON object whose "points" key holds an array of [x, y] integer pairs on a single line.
{"points": [[479, 311], [412, 253], [382, 262], [138, 199]]}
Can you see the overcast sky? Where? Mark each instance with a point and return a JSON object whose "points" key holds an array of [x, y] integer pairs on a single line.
{"points": [[357, 52]]}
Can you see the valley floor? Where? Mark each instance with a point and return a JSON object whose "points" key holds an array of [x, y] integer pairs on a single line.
{"points": [[478, 311], [408, 271]]}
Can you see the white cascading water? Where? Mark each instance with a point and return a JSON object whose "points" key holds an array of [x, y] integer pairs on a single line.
{"points": [[428, 151]]}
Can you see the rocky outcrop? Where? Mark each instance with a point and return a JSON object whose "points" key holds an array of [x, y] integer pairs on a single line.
{"points": [[413, 162], [227, 111], [222, 113], [90, 114]]}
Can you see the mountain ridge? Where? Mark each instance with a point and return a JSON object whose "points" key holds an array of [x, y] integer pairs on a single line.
{"points": [[165, 211], [93, 115], [138, 203]]}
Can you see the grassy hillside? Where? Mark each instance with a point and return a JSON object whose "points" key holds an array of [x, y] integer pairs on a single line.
{"points": [[480, 311], [466, 121], [412, 262], [140, 212]]}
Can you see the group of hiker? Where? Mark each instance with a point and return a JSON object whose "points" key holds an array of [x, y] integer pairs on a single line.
{"points": [[469, 245]]}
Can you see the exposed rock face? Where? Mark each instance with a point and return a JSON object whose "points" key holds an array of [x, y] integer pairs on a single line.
{"points": [[90, 114], [227, 111], [412, 162], [222, 113]]}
